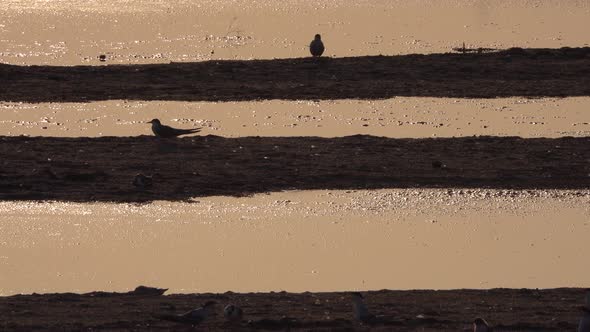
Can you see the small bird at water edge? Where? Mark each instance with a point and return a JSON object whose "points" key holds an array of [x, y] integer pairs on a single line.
{"points": [[164, 131], [317, 46]]}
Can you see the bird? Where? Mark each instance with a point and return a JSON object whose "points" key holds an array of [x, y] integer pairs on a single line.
{"points": [[480, 325], [317, 46], [361, 313], [164, 131], [193, 317], [584, 325], [233, 313], [148, 291]]}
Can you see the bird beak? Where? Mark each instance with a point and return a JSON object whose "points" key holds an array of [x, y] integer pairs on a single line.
{"points": [[151, 121]]}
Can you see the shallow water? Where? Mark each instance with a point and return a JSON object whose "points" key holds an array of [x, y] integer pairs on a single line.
{"points": [[300, 241], [399, 117], [142, 31]]}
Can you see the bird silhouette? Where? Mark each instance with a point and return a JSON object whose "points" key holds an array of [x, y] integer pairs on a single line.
{"points": [[148, 291], [164, 131], [317, 46]]}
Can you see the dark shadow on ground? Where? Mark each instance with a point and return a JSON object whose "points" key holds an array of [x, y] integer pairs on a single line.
{"points": [[103, 169], [515, 72]]}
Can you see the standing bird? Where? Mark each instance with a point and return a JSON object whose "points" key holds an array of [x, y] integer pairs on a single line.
{"points": [[584, 325], [361, 313], [480, 325], [163, 131], [316, 47], [193, 317]]}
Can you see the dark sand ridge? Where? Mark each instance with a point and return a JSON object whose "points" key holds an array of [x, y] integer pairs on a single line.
{"points": [[102, 169], [508, 309], [514, 72]]}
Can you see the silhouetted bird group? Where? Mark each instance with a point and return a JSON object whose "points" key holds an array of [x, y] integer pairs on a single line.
{"points": [[233, 314]]}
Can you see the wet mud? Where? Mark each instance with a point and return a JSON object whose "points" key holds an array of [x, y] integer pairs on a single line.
{"points": [[514, 72], [420, 310], [106, 169]]}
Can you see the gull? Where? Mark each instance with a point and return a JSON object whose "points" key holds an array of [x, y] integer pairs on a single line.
{"points": [[233, 313], [316, 47], [584, 325], [480, 325], [194, 317], [361, 313], [163, 131]]}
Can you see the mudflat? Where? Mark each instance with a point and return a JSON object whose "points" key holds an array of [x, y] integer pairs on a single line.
{"points": [[420, 310], [104, 169], [103, 68], [514, 72]]}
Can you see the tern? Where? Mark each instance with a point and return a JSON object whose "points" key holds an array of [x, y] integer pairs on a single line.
{"points": [[163, 131]]}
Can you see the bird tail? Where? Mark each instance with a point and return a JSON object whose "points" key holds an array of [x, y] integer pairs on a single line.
{"points": [[190, 131]]}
